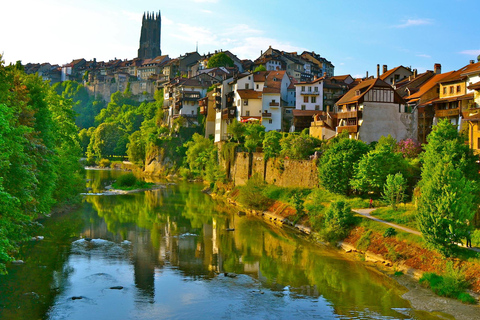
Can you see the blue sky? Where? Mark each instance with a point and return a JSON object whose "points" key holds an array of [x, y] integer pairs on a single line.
{"points": [[354, 35]]}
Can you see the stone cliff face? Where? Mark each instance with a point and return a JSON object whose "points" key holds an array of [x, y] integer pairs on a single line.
{"points": [[156, 164]]}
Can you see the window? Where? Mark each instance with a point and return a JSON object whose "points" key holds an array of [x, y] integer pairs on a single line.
{"points": [[245, 102], [317, 107], [270, 121], [305, 99], [257, 86], [247, 113], [303, 107], [458, 89], [314, 100], [247, 86], [444, 90], [451, 89], [309, 89], [316, 89], [303, 88]]}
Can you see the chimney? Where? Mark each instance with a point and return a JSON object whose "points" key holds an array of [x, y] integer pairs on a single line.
{"points": [[378, 71], [437, 68], [324, 74], [384, 68], [472, 61], [367, 75], [415, 73]]}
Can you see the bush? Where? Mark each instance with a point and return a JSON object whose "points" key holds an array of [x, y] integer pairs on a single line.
{"points": [[337, 222], [104, 163], [390, 232], [452, 284], [126, 180], [364, 241], [251, 195]]}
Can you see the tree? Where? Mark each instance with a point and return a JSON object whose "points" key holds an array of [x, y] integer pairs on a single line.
{"points": [[394, 190], [260, 68], [299, 146], [338, 218], [220, 59], [336, 167], [236, 130], [448, 189], [271, 144], [254, 134], [373, 168], [104, 140]]}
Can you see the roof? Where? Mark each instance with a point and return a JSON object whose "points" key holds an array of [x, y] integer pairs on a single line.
{"points": [[463, 72], [474, 86], [473, 117], [341, 78], [249, 94], [387, 74], [364, 86], [273, 82], [456, 98], [428, 85], [260, 76]]}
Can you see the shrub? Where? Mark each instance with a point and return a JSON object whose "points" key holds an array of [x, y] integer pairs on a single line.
{"points": [[104, 163], [337, 222], [251, 195], [364, 242], [390, 232], [452, 284], [126, 180]]}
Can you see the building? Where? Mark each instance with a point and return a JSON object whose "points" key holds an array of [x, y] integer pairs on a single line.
{"points": [[373, 109], [394, 75], [150, 36]]}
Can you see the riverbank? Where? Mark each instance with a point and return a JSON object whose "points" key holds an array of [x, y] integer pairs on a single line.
{"points": [[398, 259]]}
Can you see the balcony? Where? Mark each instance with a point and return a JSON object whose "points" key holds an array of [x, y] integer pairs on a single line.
{"points": [[309, 93], [349, 129], [266, 114], [447, 113], [178, 105], [349, 114], [228, 113], [191, 96], [274, 104], [203, 110]]}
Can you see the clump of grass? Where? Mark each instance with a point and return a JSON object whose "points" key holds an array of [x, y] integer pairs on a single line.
{"points": [[364, 242], [128, 181], [452, 284], [398, 273], [389, 232]]}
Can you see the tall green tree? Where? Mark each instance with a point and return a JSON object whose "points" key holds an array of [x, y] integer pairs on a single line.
{"points": [[271, 144], [448, 189], [254, 135], [394, 190]]}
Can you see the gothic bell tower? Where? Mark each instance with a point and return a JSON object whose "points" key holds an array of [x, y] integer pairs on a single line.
{"points": [[150, 36]]}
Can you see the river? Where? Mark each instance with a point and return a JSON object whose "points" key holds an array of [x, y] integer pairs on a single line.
{"points": [[172, 253]]}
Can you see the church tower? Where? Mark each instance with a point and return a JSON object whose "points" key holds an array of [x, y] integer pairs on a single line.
{"points": [[150, 36]]}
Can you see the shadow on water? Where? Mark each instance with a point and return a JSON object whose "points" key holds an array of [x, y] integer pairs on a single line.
{"points": [[167, 253]]}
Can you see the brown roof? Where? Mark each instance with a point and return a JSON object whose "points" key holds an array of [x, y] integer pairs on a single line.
{"points": [[474, 86], [428, 85], [461, 73], [341, 78], [450, 99], [260, 76], [364, 86], [273, 83], [249, 94]]}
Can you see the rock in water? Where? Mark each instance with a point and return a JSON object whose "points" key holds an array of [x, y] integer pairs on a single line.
{"points": [[116, 288]]}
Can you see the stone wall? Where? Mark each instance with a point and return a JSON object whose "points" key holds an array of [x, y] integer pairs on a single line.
{"points": [[286, 173]]}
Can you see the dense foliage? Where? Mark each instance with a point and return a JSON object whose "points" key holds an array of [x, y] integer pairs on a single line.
{"points": [[220, 59], [448, 190], [39, 154]]}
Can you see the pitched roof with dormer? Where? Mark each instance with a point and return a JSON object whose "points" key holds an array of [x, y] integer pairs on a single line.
{"points": [[428, 85], [462, 73], [249, 94], [357, 93]]}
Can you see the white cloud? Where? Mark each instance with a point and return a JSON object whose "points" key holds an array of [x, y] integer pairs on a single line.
{"points": [[424, 56], [471, 52], [414, 23], [202, 1], [206, 11]]}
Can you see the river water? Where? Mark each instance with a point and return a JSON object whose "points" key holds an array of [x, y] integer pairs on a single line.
{"points": [[167, 254]]}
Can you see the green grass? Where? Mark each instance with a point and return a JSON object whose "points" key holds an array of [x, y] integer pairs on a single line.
{"points": [[404, 215]]}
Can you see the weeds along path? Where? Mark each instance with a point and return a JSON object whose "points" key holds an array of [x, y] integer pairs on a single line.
{"points": [[366, 213]]}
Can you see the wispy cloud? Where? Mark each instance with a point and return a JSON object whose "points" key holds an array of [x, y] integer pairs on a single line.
{"points": [[210, 1], [471, 52], [414, 23], [424, 56], [206, 11]]}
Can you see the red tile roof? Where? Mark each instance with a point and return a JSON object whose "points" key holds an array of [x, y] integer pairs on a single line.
{"points": [[428, 85], [364, 86], [273, 82], [249, 94]]}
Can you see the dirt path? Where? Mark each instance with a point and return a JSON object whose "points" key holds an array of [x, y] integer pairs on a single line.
{"points": [[366, 214]]}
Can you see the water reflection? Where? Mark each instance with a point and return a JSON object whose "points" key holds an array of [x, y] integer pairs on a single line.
{"points": [[167, 254]]}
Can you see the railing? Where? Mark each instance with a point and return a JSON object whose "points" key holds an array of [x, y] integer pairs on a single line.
{"points": [[274, 104], [310, 93], [350, 129], [266, 114], [447, 113], [349, 114]]}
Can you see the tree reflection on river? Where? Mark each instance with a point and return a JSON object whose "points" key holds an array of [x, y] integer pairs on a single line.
{"points": [[167, 253]]}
